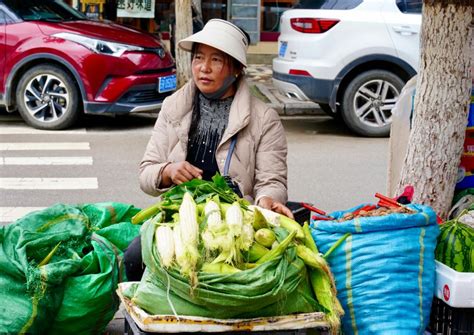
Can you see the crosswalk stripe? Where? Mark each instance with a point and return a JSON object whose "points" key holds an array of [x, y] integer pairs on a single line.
{"points": [[46, 160], [48, 183], [44, 146], [10, 214], [8, 129]]}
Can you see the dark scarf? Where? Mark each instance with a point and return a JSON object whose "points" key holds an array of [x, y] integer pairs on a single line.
{"points": [[206, 133]]}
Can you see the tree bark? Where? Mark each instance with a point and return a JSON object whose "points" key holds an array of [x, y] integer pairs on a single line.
{"points": [[198, 7], [441, 104], [184, 28]]}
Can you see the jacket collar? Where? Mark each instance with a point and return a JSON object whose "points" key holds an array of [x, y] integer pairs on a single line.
{"points": [[239, 110]]}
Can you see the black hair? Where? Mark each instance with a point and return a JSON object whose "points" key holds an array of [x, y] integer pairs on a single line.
{"points": [[247, 36]]}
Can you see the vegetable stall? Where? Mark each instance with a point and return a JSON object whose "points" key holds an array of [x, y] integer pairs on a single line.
{"points": [[210, 254]]}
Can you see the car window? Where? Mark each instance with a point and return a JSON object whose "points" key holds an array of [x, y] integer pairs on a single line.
{"points": [[54, 10], [410, 6], [327, 4]]}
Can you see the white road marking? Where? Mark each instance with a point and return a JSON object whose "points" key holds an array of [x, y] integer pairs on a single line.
{"points": [[8, 129], [48, 183], [44, 146], [46, 160], [10, 214]]}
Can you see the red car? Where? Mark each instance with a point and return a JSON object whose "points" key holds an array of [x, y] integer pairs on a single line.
{"points": [[55, 63]]}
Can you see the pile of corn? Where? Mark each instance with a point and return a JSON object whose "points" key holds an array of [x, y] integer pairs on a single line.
{"points": [[227, 238]]}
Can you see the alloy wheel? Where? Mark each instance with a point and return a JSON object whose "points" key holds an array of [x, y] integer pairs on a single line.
{"points": [[374, 101], [46, 98]]}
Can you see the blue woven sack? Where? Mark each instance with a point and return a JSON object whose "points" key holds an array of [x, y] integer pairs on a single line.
{"points": [[384, 270]]}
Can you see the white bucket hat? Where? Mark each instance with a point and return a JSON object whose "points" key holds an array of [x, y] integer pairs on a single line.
{"points": [[222, 35]]}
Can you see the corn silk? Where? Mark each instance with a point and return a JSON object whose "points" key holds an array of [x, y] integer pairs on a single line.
{"points": [[277, 287]]}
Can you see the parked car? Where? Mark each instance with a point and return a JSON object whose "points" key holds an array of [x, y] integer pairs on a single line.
{"points": [[352, 57], [55, 64]]}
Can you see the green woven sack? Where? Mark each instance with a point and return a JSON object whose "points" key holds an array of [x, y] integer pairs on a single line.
{"points": [[278, 287], [60, 268]]}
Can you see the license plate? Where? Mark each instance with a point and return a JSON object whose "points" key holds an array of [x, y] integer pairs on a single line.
{"points": [[283, 46], [166, 84]]}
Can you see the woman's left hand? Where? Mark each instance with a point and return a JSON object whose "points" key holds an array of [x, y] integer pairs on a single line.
{"points": [[276, 206]]}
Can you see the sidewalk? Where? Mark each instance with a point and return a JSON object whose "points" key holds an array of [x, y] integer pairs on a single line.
{"points": [[259, 77]]}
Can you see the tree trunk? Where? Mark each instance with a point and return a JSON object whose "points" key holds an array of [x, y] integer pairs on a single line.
{"points": [[441, 104], [184, 28], [198, 9]]}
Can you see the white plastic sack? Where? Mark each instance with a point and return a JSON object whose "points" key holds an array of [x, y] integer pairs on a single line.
{"points": [[399, 134]]}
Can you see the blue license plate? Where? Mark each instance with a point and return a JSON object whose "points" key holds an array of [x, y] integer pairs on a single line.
{"points": [[166, 84], [283, 47]]}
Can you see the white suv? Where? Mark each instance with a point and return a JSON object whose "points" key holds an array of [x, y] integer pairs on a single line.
{"points": [[352, 57]]}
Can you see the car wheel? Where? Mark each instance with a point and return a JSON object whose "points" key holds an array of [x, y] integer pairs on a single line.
{"points": [[48, 98], [368, 102]]}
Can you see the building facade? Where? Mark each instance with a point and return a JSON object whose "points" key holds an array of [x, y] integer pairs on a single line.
{"points": [[260, 18]]}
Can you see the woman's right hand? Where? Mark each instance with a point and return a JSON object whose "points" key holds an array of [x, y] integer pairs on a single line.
{"points": [[178, 173]]}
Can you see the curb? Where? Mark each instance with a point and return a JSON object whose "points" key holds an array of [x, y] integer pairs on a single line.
{"points": [[286, 106]]}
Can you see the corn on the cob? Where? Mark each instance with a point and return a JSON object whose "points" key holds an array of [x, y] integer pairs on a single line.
{"points": [[308, 238], [278, 220], [145, 214], [188, 223], [279, 250], [178, 246], [222, 268], [213, 216], [327, 298], [259, 220], [246, 238], [210, 242], [186, 256], [256, 252], [234, 219], [271, 218], [265, 237], [164, 240], [323, 285], [186, 238], [291, 225], [311, 258]]}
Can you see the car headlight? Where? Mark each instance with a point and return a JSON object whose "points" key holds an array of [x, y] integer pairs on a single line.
{"points": [[99, 46]]}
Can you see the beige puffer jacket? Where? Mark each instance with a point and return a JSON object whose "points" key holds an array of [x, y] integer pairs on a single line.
{"points": [[258, 163]]}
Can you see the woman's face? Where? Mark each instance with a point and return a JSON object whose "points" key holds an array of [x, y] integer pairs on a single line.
{"points": [[210, 68]]}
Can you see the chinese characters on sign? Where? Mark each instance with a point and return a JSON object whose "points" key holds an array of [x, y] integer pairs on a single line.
{"points": [[136, 8]]}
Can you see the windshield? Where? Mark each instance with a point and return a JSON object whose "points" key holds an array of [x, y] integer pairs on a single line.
{"points": [[327, 4], [46, 10]]}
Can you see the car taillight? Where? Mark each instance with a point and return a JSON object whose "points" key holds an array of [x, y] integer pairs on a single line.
{"points": [[299, 73], [312, 26]]}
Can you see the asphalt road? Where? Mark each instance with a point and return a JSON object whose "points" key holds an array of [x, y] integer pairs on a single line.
{"points": [[328, 166]]}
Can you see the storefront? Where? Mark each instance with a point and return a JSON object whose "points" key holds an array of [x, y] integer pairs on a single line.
{"points": [[260, 18]]}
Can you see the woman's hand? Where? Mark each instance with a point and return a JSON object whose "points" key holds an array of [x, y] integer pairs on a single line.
{"points": [[269, 203], [178, 173]]}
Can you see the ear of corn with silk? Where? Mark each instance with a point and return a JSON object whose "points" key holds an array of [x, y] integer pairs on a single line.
{"points": [[203, 231]]}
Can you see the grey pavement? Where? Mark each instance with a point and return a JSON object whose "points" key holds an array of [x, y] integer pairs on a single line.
{"points": [[259, 77]]}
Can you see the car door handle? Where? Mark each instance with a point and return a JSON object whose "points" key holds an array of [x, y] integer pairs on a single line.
{"points": [[404, 30]]}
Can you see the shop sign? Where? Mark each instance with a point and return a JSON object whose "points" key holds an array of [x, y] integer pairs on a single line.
{"points": [[93, 9], [136, 8]]}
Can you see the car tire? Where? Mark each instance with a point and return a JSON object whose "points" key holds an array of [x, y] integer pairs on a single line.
{"points": [[54, 107], [368, 102]]}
